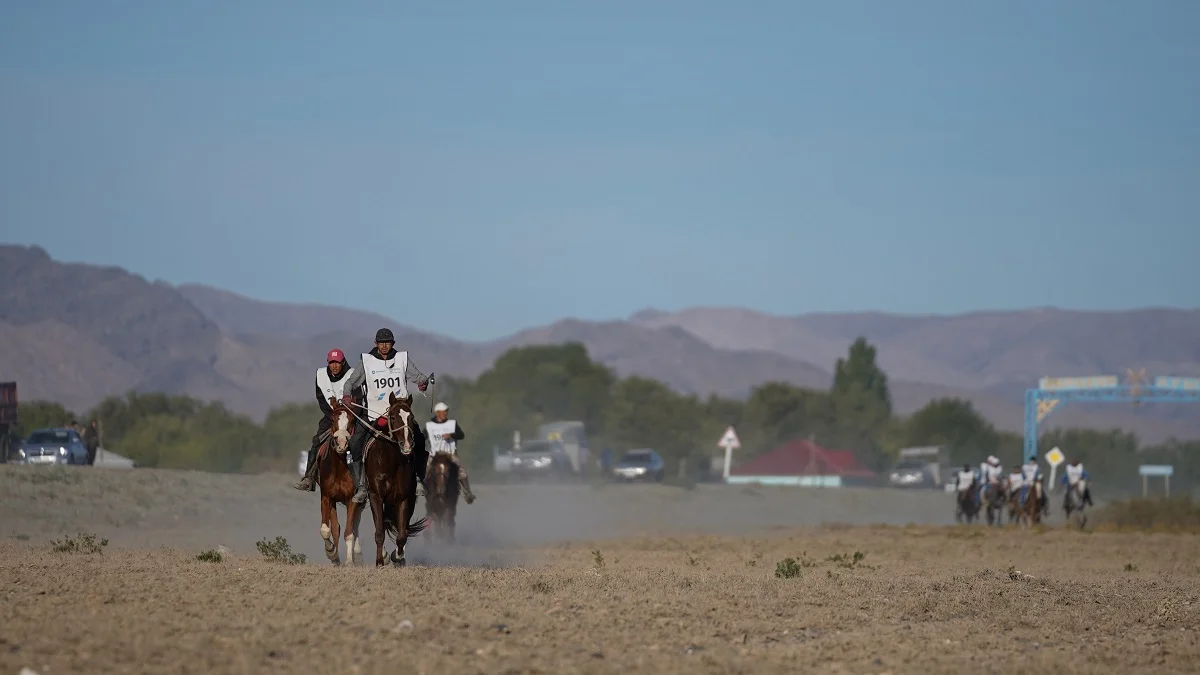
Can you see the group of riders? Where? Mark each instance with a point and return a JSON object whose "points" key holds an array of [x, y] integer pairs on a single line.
{"points": [[365, 391], [971, 483]]}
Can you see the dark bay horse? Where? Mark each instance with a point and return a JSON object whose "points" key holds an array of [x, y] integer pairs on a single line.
{"points": [[441, 499], [337, 486], [1030, 512], [391, 476], [966, 506], [994, 497]]}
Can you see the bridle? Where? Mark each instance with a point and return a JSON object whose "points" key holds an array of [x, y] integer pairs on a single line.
{"points": [[404, 442]]}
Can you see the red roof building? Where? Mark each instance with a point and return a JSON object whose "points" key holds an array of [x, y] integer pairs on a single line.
{"points": [[803, 463]]}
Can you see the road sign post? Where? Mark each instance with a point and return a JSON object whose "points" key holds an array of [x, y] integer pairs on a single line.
{"points": [[1148, 470], [1054, 458], [729, 441]]}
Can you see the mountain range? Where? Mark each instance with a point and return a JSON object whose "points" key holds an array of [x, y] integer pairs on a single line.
{"points": [[76, 333]]}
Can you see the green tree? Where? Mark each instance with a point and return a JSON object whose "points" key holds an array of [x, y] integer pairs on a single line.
{"points": [[953, 423], [647, 414], [777, 412], [42, 414], [862, 403]]}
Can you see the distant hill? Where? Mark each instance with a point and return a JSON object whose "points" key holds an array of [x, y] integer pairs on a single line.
{"points": [[76, 333]]}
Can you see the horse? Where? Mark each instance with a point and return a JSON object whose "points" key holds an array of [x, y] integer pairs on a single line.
{"points": [[337, 486], [392, 479], [967, 505], [994, 496], [1073, 505], [441, 498], [1029, 512]]}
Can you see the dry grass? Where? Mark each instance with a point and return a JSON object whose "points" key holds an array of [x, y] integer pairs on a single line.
{"points": [[843, 598]]}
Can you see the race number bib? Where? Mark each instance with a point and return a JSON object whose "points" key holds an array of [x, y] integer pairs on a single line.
{"points": [[329, 388], [384, 378], [437, 444]]}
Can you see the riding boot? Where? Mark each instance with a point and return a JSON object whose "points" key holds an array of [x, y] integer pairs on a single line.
{"points": [[422, 465], [309, 482], [465, 484], [360, 484]]}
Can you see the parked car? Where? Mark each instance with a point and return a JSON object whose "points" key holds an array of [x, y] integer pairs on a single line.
{"points": [[914, 473], [640, 464], [53, 446]]}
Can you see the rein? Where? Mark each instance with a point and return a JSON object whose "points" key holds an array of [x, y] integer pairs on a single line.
{"points": [[391, 432]]}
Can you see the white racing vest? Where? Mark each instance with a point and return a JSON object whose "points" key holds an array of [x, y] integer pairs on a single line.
{"points": [[436, 442], [992, 474], [965, 478], [1074, 474], [383, 378], [1016, 479], [1030, 471], [329, 388]]}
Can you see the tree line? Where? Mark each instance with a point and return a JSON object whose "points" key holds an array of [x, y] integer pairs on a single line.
{"points": [[529, 386]]}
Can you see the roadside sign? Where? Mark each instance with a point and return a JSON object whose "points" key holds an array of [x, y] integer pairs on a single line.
{"points": [[729, 440], [1055, 457], [1156, 470]]}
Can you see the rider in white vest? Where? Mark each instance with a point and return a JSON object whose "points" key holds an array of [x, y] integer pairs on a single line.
{"points": [[444, 434], [964, 479], [1032, 473], [383, 371], [992, 471], [331, 383], [1075, 476]]}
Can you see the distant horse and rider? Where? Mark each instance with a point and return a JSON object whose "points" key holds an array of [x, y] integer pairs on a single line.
{"points": [[441, 496], [966, 502]]}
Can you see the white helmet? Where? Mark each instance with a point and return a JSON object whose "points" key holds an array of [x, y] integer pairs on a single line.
{"points": [[441, 407], [993, 460]]}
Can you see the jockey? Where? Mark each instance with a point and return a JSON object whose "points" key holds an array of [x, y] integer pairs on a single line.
{"points": [[384, 371], [444, 434], [992, 471], [1032, 473], [331, 383], [1075, 475], [964, 480]]}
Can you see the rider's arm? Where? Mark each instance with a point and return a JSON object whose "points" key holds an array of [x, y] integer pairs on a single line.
{"points": [[354, 383], [413, 375], [325, 409], [458, 434]]}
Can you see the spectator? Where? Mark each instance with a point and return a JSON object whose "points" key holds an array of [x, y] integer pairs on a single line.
{"points": [[91, 440]]}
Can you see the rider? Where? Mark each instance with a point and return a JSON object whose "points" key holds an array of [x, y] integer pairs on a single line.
{"points": [[331, 383], [1074, 475], [964, 481], [444, 434], [992, 471], [384, 371], [1032, 473]]}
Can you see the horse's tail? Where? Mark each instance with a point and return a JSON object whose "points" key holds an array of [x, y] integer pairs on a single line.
{"points": [[391, 522]]}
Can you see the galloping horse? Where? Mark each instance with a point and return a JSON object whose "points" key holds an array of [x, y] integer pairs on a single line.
{"points": [[337, 486], [994, 495], [1030, 512], [967, 505], [1074, 506], [392, 479], [441, 499]]}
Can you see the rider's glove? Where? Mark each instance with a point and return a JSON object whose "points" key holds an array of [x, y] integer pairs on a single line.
{"points": [[347, 399]]}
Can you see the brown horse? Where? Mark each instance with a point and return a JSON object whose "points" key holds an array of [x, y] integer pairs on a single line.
{"points": [[994, 498], [391, 477], [337, 486], [441, 499], [1029, 513]]}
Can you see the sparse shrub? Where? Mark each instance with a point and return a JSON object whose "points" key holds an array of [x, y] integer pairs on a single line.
{"points": [[693, 560], [598, 559], [280, 551], [210, 556], [1130, 567], [787, 568], [847, 560], [540, 586], [1175, 514], [84, 543]]}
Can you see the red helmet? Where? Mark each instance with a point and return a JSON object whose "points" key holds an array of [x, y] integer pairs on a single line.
{"points": [[335, 355]]}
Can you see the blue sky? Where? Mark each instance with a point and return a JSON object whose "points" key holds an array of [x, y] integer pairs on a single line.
{"points": [[509, 164]]}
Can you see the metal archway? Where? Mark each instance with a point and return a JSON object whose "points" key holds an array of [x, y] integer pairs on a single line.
{"points": [[1052, 392]]}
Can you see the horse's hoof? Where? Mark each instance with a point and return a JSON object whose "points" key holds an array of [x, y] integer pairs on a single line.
{"points": [[335, 562]]}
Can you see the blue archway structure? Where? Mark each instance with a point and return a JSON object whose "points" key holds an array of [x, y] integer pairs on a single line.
{"points": [[1052, 392]]}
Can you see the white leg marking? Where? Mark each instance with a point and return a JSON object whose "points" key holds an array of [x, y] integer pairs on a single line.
{"points": [[325, 532], [350, 540]]}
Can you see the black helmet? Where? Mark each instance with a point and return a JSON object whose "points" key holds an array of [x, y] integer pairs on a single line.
{"points": [[384, 335]]}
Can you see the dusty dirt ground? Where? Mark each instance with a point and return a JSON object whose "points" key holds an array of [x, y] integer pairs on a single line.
{"points": [[577, 580]]}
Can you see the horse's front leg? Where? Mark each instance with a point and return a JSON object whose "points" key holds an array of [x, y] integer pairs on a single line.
{"points": [[335, 534], [327, 516], [377, 516], [351, 530], [404, 511]]}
